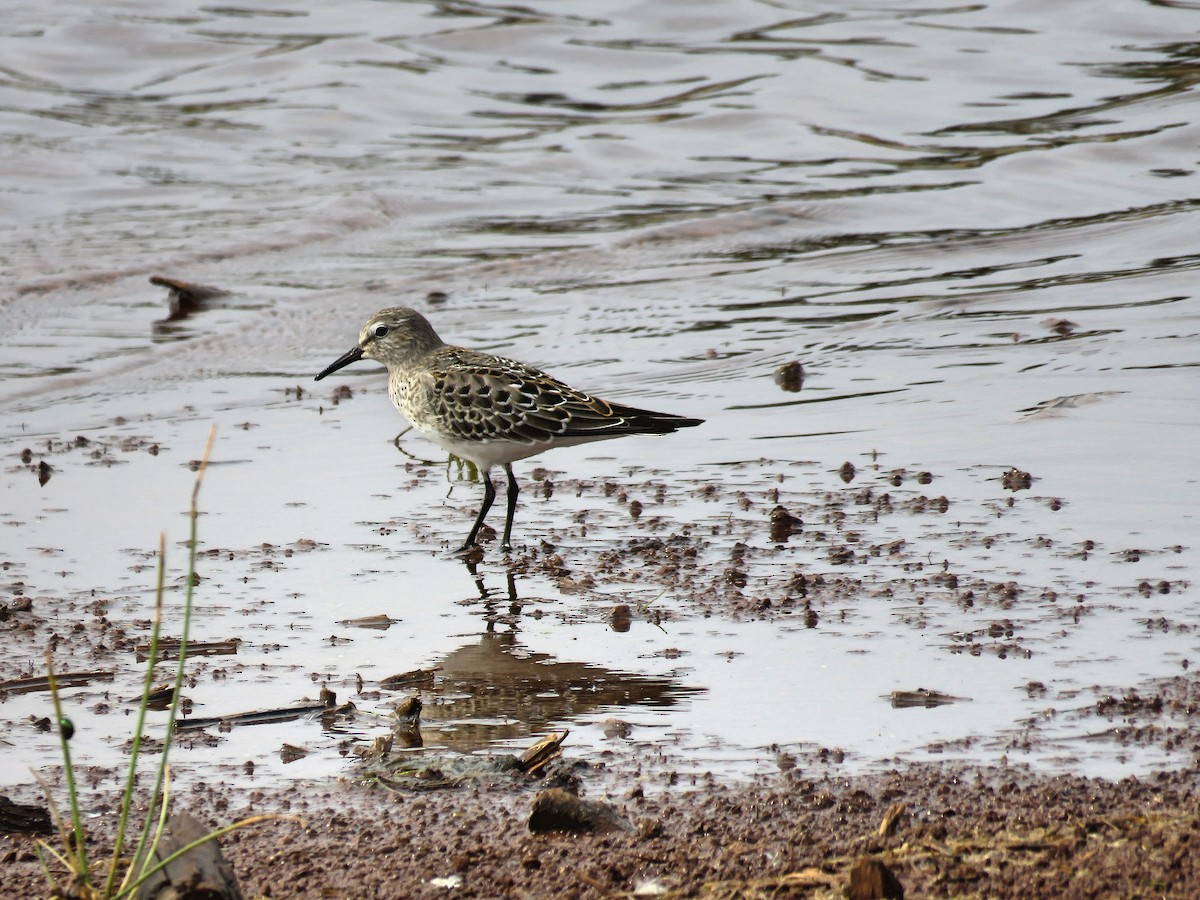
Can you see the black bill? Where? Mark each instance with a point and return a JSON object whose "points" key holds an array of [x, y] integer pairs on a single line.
{"points": [[342, 361]]}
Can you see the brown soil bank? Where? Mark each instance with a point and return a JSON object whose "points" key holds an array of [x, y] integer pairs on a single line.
{"points": [[964, 832]]}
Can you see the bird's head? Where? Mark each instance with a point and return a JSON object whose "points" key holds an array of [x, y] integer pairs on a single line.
{"points": [[392, 336]]}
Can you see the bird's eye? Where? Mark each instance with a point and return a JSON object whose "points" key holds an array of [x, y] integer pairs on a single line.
{"points": [[381, 330]]}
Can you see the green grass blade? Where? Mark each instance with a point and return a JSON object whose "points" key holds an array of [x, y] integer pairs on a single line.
{"points": [[160, 778], [79, 851], [147, 687]]}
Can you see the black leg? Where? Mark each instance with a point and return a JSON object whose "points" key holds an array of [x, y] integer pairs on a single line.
{"points": [[513, 490], [489, 495]]}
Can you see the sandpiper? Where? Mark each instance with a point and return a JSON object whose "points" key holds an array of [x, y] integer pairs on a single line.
{"points": [[487, 409]]}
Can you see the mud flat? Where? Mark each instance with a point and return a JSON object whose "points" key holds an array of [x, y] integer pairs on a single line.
{"points": [[963, 832]]}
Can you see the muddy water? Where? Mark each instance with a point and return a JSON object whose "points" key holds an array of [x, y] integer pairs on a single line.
{"points": [[972, 226]]}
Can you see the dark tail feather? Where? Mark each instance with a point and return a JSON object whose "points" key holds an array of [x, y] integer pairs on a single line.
{"points": [[630, 420], [659, 423]]}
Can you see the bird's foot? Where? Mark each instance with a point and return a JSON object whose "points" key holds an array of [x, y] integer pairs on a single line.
{"points": [[469, 552]]}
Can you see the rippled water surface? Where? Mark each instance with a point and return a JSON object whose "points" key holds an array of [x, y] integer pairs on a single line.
{"points": [[973, 226]]}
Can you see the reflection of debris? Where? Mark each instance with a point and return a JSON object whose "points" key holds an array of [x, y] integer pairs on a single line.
{"points": [[847, 472], [407, 723], [1053, 407], [289, 753], [621, 618], [615, 729], [379, 622], [408, 712], [558, 810], [379, 748], [1060, 326], [414, 678], [922, 697]]}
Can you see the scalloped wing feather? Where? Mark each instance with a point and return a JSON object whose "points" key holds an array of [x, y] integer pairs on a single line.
{"points": [[476, 397]]}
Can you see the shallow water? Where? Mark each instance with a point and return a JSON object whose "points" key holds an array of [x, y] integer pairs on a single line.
{"points": [[973, 226]]}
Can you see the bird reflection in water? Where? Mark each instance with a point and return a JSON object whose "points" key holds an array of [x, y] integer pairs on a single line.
{"points": [[497, 689], [491, 597]]}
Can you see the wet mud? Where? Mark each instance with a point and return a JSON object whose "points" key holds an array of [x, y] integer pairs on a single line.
{"points": [[940, 831]]}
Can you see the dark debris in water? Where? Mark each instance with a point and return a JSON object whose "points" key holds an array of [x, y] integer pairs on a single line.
{"points": [[783, 525], [790, 377], [325, 711], [64, 679], [168, 648], [922, 697], [1015, 480], [95, 451], [185, 298], [378, 622]]}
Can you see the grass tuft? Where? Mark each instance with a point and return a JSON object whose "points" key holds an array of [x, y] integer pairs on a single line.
{"points": [[123, 875]]}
